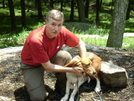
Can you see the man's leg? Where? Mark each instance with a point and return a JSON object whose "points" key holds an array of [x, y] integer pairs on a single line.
{"points": [[34, 81], [61, 58]]}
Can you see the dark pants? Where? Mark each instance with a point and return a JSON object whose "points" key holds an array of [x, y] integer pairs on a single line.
{"points": [[34, 76]]}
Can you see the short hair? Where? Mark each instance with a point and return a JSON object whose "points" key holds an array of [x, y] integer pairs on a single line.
{"points": [[55, 14]]}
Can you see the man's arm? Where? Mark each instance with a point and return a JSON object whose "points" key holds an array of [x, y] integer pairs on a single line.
{"points": [[57, 68], [82, 49]]}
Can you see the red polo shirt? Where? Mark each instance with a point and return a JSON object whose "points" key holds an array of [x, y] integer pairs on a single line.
{"points": [[38, 48]]}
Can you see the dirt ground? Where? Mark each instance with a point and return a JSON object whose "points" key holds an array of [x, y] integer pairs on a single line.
{"points": [[12, 87]]}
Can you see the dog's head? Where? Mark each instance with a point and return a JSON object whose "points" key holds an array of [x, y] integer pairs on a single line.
{"points": [[74, 63], [88, 67], [84, 63]]}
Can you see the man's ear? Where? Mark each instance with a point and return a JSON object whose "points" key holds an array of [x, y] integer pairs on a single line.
{"points": [[46, 21]]}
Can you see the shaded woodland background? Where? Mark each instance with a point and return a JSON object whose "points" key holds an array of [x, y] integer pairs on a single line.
{"points": [[89, 11]]}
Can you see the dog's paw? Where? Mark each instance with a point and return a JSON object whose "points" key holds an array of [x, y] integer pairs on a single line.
{"points": [[64, 99], [71, 99], [97, 89]]}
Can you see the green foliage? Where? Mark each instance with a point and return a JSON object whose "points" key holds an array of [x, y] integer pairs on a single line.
{"points": [[79, 29], [10, 41], [95, 41], [85, 29], [128, 43], [7, 38]]}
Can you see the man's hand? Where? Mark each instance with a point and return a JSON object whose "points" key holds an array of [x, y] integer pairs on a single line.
{"points": [[78, 70]]}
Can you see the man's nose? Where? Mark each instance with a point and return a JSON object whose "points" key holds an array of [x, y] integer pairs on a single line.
{"points": [[56, 28]]}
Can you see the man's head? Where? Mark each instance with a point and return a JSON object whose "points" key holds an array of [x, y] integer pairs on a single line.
{"points": [[55, 15], [54, 22]]}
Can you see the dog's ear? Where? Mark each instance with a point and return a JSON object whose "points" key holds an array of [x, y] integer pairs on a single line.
{"points": [[73, 63]]}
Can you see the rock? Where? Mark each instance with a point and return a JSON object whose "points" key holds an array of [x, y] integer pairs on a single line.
{"points": [[113, 76], [11, 50], [3, 98]]}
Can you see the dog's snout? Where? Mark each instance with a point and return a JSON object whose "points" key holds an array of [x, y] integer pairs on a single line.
{"points": [[94, 73]]}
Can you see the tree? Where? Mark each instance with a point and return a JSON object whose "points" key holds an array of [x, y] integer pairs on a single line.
{"points": [[72, 10], [40, 16], [3, 3], [86, 8], [97, 11], [12, 15], [98, 8], [115, 37], [61, 5], [129, 9], [81, 10], [23, 19], [51, 4]]}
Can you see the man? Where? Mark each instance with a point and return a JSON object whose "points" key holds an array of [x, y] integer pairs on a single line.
{"points": [[42, 51]]}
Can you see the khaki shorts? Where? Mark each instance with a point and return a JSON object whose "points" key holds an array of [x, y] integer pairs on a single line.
{"points": [[34, 76]]}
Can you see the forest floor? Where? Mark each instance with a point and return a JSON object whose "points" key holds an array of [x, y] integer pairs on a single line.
{"points": [[12, 83]]}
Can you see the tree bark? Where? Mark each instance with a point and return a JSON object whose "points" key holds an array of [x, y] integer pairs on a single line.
{"points": [[3, 3], [128, 10], [23, 15], [72, 10], [115, 37], [86, 8], [97, 11], [12, 15], [61, 5], [81, 10], [40, 16], [51, 4]]}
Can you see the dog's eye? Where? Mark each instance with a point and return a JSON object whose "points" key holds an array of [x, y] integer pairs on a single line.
{"points": [[87, 65]]}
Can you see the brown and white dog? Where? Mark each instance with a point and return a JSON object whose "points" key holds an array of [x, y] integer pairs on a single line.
{"points": [[91, 66]]}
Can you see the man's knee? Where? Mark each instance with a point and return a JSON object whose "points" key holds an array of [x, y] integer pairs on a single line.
{"points": [[64, 54], [38, 97], [61, 58], [38, 94]]}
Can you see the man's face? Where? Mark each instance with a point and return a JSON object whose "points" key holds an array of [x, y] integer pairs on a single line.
{"points": [[53, 28]]}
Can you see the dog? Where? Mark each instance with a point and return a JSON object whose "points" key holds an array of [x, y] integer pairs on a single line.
{"points": [[91, 66]]}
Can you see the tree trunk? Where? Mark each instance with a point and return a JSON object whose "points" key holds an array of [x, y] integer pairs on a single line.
{"points": [[40, 16], [81, 10], [98, 2], [128, 10], [23, 15], [12, 15], [86, 8], [3, 3], [115, 37], [61, 5], [72, 10], [51, 4]]}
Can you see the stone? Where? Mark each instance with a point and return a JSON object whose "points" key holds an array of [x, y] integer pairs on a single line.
{"points": [[112, 75]]}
